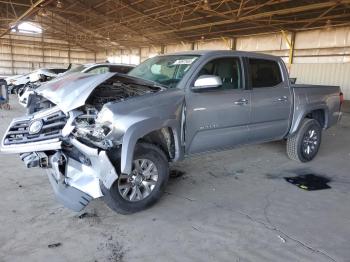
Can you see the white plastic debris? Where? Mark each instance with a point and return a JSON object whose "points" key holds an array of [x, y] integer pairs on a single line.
{"points": [[282, 239]]}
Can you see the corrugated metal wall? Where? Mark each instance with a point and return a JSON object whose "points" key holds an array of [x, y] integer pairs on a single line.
{"points": [[324, 74], [21, 54], [327, 47], [325, 53]]}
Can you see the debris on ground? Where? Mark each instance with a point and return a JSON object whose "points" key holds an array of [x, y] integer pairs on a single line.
{"points": [[112, 251], [87, 215], [176, 173], [212, 174], [54, 245], [282, 239], [309, 182], [240, 171], [195, 228]]}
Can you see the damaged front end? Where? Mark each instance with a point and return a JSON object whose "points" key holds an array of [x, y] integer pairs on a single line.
{"points": [[66, 139], [74, 169]]}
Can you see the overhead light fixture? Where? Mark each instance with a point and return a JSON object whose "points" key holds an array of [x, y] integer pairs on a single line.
{"points": [[27, 28], [59, 4], [43, 12], [205, 5]]}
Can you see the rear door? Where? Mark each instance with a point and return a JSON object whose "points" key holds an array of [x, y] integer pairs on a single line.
{"points": [[271, 100], [219, 118]]}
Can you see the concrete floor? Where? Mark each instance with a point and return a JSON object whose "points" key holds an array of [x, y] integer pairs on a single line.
{"points": [[227, 206]]}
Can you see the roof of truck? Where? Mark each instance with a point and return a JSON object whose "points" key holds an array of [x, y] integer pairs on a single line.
{"points": [[224, 52], [108, 64]]}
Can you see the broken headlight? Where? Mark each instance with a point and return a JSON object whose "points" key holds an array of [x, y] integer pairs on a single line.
{"points": [[87, 128], [95, 132]]}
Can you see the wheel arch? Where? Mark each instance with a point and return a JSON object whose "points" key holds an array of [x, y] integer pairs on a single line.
{"points": [[155, 131], [319, 113]]}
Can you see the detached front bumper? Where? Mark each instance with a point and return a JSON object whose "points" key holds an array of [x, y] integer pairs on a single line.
{"points": [[68, 196], [75, 181]]}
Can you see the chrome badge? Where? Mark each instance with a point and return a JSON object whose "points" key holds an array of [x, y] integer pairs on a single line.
{"points": [[35, 126]]}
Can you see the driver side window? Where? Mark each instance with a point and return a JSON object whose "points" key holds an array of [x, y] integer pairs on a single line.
{"points": [[228, 69]]}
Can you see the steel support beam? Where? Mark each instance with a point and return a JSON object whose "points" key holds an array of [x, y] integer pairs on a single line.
{"points": [[284, 11], [290, 43]]}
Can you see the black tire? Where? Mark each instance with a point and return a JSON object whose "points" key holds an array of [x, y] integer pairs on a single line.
{"points": [[16, 89], [115, 200], [297, 144]]}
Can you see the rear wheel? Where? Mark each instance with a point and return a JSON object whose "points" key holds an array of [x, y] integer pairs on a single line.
{"points": [[303, 146], [143, 186]]}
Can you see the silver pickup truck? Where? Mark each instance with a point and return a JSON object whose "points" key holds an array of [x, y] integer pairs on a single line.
{"points": [[113, 135]]}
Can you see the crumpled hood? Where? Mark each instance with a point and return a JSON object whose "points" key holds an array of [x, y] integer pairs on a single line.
{"points": [[71, 91]]}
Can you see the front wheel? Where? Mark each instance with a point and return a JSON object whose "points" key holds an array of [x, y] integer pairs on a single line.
{"points": [[143, 186], [305, 143]]}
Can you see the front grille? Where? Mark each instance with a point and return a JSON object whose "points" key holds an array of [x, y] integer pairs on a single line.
{"points": [[18, 132]]}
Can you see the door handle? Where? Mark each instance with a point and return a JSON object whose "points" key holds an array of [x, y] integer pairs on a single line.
{"points": [[282, 99], [241, 102]]}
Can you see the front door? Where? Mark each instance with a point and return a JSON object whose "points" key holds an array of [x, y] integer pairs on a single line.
{"points": [[219, 118]]}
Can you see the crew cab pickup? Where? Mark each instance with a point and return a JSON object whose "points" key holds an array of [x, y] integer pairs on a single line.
{"points": [[113, 135]]}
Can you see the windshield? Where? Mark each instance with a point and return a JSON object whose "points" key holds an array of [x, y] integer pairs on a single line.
{"points": [[166, 70]]}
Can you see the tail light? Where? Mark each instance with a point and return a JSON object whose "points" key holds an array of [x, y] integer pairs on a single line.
{"points": [[341, 98]]}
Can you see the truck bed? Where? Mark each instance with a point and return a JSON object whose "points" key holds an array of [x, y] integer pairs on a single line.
{"points": [[312, 86], [308, 98]]}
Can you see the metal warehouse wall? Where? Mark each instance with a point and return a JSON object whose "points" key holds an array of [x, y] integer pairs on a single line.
{"points": [[316, 53], [324, 74], [21, 54]]}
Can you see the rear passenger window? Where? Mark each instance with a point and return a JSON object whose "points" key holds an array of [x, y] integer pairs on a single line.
{"points": [[228, 69], [264, 73]]}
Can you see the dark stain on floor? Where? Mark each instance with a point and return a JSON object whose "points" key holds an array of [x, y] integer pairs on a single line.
{"points": [[309, 182], [176, 173]]}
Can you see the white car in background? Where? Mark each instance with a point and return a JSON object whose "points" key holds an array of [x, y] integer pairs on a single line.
{"points": [[17, 82], [24, 96], [100, 68]]}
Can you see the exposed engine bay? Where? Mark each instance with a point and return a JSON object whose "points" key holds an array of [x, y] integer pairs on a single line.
{"points": [[86, 130], [114, 90]]}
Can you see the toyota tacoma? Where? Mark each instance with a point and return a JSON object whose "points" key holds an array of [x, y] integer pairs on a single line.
{"points": [[112, 135]]}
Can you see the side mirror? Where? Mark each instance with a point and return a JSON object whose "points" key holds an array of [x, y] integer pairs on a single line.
{"points": [[207, 82]]}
